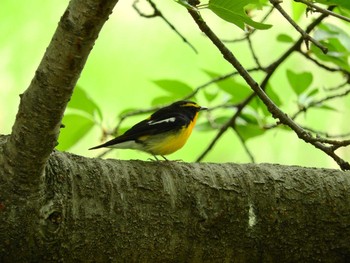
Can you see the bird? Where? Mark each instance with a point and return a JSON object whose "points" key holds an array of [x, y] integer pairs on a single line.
{"points": [[163, 133]]}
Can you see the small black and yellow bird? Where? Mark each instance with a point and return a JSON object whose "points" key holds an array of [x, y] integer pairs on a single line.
{"points": [[163, 133]]}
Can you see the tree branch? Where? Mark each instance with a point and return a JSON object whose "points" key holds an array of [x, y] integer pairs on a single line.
{"points": [[93, 210], [306, 36], [36, 129], [158, 13], [273, 109], [316, 8], [270, 69]]}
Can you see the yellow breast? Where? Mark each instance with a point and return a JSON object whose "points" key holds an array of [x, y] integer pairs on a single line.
{"points": [[164, 145]]}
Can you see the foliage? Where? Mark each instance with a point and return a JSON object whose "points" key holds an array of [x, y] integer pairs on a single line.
{"points": [[228, 95]]}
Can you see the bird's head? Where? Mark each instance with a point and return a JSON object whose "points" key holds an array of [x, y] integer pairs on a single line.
{"points": [[187, 105]]}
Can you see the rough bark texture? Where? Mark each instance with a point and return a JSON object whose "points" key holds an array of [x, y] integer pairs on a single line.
{"points": [[92, 210], [66, 208], [35, 132]]}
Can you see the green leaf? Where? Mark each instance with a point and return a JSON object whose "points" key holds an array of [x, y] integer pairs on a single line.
{"points": [[299, 81], [208, 126], [76, 127], [273, 95], [312, 93], [284, 38], [338, 43], [210, 96], [233, 11], [163, 100], [343, 11], [126, 111], [237, 90], [175, 87], [306, 98], [298, 9], [326, 107], [333, 56], [203, 126], [342, 3], [249, 131], [81, 101], [249, 117]]}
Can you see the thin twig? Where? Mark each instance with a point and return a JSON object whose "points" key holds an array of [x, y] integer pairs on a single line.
{"points": [[307, 56], [270, 70], [157, 13], [326, 134], [255, 57], [225, 127], [244, 144], [214, 80], [322, 10], [273, 109], [340, 86], [307, 37], [251, 30], [316, 103]]}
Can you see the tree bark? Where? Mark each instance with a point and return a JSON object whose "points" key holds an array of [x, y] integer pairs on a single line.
{"points": [[92, 210], [36, 129], [59, 207]]}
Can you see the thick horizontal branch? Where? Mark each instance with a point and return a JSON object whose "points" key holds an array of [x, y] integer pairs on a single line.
{"points": [[133, 211]]}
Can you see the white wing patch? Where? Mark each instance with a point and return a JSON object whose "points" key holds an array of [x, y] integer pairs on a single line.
{"points": [[172, 119]]}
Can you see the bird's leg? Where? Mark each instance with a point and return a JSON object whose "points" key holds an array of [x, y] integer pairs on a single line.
{"points": [[165, 158], [155, 159]]}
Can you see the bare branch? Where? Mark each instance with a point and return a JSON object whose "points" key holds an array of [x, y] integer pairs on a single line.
{"points": [[270, 70], [316, 103], [306, 36], [157, 13], [244, 144], [274, 110], [319, 64], [322, 10]]}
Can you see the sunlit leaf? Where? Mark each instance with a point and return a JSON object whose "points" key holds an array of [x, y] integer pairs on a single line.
{"points": [[249, 117], [81, 101], [284, 38], [342, 3], [215, 123], [203, 126], [237, 90], [273, 95], [257, 104], [210, 96], [249, 131], [163, 100], [233, 12], [299, 81], [338, 43], [175, 87], [326, 107], [128, 110], [76, 127], [312, 93], [298, 9]]}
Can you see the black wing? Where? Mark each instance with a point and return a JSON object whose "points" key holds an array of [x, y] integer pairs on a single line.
{"points": [[159, 122]]}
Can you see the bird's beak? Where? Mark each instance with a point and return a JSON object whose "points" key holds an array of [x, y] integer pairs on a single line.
{"points": [[203, 108]]}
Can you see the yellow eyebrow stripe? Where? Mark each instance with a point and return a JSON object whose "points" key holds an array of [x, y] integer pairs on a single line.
{"points": [[190, 104]]}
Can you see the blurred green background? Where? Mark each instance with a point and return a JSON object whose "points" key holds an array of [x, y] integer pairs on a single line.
{"points": [[132, 51]]}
